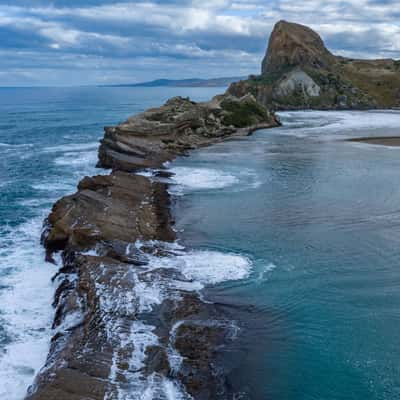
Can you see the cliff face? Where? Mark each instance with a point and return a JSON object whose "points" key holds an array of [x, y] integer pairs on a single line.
{"points": [[293, 45], [299, 72], [129, 323]]}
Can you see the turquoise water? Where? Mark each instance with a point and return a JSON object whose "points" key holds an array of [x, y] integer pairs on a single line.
{"points": [[317, 217], [320, 220], [48, 142]]}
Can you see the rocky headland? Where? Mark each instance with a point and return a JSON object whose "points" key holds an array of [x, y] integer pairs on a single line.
{"points": [[299, 72], [127, 324], [149, 139]]}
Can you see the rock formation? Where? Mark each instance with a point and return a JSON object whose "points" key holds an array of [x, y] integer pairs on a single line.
{"points": [[293, 45], [157, 135], [128, 326], [299, 72]]}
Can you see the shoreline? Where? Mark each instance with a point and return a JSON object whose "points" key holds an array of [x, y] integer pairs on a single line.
{"points": [[117, 240], [391, 141]]}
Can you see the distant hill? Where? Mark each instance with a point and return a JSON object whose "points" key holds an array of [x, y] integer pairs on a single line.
{"points": [[299, 72], [194, 82]]}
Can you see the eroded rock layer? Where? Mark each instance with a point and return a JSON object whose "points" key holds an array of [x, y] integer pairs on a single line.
{"points": [[149, 139], [129, 324]]}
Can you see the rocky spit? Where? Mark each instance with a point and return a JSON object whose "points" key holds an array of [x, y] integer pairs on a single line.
{"points": [[128, 326]]}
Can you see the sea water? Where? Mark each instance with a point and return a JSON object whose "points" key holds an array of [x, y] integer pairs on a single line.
{"points": [[295, 230], [48, 142], [319, 219]]}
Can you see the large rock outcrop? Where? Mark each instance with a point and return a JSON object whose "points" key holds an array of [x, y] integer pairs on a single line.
{"points": [[293, 45], [157, 135], [128, 323], [299, 72]]}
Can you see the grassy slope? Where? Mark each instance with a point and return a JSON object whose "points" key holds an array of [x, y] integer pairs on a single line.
{"points": [[365, 83], [380, 79]]}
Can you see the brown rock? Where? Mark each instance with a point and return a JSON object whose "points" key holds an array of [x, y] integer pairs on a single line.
{"points": [[119, 206], [299, 72], [100, 314], [293, 44], [149, 139]]}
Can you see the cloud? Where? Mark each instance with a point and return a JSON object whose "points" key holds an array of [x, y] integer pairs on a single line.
{"points": [[135, 40]]}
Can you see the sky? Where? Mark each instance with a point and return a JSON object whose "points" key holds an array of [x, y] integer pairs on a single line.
{"points": [[89, 42]]}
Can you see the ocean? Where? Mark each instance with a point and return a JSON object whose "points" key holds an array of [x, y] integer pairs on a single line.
{"points": [[293, 228], [48, 142]]}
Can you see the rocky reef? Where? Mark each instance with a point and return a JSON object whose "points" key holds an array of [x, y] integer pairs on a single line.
{"points": [[127, 324], [149, 139], [299, 72]]}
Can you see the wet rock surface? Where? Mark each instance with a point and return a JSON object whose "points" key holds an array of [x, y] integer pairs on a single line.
{"points": [[127, 326]]}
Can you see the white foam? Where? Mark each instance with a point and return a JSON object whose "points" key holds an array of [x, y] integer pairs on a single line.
{"points": [[207, 267], [26, 308], [151, 287], [161, 388], [77, 159], [91, 252], [174, 357], [53, 187], [140, 336], [40, 202], [264, 272], [26, 298], [72, 147], [189, 178], [192, 179], [338, 123], [148, 173], [15, 145], [148, 294]]}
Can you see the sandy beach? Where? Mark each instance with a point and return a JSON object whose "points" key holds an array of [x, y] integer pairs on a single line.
{"points": [[382, 141]]}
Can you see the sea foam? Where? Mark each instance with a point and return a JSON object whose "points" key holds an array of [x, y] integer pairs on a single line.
{"points": [[207, 267], [26, 290], [64, 148], [337, 124], [77, 159], [26, 297], [192, 179]]}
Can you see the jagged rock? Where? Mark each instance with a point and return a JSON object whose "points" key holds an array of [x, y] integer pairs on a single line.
{"points": [[119, 206], [159, 134], [293, 45], [110, 233], [299, 72]]}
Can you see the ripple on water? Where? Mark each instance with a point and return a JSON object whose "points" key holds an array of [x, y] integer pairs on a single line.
{"points": [[192, 179]]}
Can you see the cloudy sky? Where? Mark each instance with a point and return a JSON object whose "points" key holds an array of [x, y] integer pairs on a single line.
{"points": [[75, 42]]}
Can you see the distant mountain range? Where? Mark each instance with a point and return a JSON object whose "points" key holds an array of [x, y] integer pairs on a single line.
{"points": [[194, 82]]}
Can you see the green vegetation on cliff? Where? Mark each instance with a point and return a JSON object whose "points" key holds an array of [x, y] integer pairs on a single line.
{"points": [[298, 71], [243, 113]]}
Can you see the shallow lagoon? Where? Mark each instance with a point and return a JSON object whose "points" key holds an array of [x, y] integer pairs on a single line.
{"points": [[319, 218]]}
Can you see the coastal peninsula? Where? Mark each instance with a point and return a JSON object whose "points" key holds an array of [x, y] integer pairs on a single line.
{"points": [[125, 325]]}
